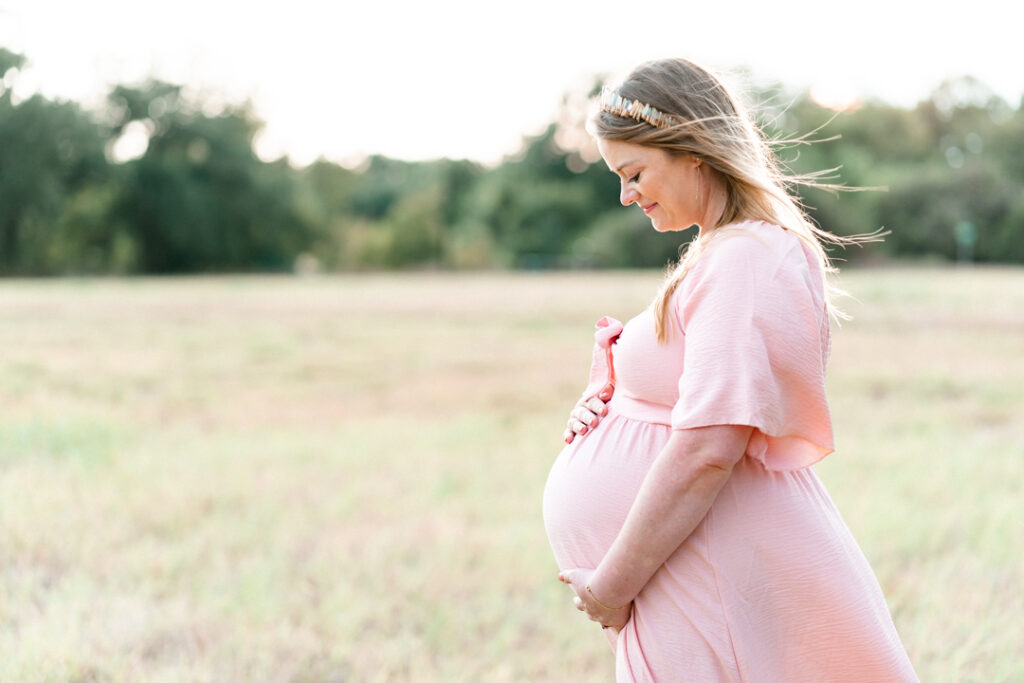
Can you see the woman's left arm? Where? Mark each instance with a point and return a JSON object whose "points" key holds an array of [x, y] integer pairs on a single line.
{"points": [[675, 496]]}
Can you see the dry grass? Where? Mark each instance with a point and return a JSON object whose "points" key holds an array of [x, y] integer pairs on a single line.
{"points": [[339, 479]]}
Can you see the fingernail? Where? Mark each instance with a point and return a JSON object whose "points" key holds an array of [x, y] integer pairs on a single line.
{"points": [[583, 429], [593, 423]]}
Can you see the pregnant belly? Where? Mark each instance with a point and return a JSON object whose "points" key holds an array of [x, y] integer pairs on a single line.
{"points": [[592, 485]]}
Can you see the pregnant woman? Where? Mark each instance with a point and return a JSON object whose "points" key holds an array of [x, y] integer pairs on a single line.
{"points": [[684, 512]]}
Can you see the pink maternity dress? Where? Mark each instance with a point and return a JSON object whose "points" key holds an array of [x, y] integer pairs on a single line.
{"points": [[770, 586]]}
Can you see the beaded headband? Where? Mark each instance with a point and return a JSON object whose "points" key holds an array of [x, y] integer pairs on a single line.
{"points": [[614, 103]]}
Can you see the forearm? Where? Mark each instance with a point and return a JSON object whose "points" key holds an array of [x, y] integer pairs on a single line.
{"points": [[675, 496]]}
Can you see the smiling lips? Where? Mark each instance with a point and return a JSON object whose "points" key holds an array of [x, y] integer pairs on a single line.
{"points": [[649, 207]]}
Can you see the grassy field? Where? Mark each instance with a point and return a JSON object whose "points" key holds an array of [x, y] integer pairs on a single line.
{"points": [[339, 478]]}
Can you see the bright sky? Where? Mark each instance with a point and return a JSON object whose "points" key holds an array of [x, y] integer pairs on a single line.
{"points": [[419, 79]]}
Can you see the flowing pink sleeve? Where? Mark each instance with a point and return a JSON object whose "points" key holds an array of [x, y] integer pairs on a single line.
{"points": [[755, 349], [606, 332]]}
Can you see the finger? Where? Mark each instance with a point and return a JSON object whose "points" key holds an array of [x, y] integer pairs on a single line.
{"points": [[581, 417], [585, 415], [568, 435], [579, 603], [597, 405], [578, 427]]}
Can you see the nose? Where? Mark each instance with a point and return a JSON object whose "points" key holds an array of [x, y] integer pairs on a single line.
{"points": [[627, 195]]}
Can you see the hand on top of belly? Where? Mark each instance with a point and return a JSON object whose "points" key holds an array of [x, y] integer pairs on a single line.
{"points": [[586, 415]]}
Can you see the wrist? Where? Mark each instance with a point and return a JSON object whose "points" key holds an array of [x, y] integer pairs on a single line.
{"points": [[603, 604], [604, 594]]}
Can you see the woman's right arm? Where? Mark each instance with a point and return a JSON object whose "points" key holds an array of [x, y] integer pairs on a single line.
{"points": [[676, 494]]}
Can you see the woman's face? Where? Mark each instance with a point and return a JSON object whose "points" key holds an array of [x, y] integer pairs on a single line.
{"points": [[664, 186]]}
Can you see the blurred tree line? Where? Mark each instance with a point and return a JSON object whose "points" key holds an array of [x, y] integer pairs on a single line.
{"points": [[198, 198]]}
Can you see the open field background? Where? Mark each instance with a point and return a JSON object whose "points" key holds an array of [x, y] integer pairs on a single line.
{"points": [[339, 478]]}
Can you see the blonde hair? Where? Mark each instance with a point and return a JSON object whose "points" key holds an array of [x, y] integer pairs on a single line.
{"points": [[710, 125]]}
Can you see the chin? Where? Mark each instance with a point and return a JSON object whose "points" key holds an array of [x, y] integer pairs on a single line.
{"points": [[661, 227]]}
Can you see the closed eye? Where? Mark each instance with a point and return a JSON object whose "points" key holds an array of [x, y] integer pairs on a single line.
{"points": [[635, 178]]}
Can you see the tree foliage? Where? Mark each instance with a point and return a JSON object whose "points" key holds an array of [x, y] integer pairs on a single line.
{"points": [[50, 152], [194, 196], [199, 198]]}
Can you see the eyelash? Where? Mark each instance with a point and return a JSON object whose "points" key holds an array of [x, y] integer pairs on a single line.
{"points": [[635, 178]]}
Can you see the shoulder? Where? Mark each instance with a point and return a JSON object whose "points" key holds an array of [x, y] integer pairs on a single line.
{"points": [[751, 239], [749, 248], [752, 262]]}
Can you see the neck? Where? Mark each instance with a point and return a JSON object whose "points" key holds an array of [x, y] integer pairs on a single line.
{"points": [[714, 201]]}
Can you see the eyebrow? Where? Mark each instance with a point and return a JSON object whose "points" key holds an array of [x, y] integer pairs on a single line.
{"points": [[622, 166]]}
